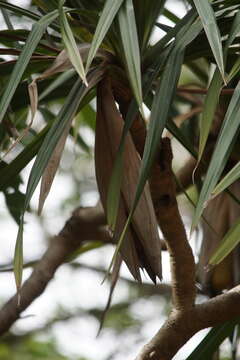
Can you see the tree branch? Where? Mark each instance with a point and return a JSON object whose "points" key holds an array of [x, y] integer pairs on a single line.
{"points": [[162, 184], [182, 325], [86, 224]]}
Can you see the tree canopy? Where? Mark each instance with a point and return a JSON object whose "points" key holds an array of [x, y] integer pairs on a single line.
{"points": [[115, 69]]}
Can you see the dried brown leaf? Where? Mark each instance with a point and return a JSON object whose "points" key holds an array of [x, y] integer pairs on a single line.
{"points": [[141, 248], [51, 169]]}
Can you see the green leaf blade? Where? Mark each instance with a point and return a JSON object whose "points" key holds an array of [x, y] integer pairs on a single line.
{"points": [[209, 108], [18, 257], [212, 341], [228, 179], [228, 243], [128, 30], [71, 46], [23, 60], [221, 153], [110, 9], [208, 19]]}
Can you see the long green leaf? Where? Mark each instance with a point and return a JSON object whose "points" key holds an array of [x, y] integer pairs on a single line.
{"points": [[159, 114], [70, 44], [210, 105], [234, 71], [208, 19], [19, 10], [110, 9], [222, 150], [228, 243], [129, 36], [152, 52], [228, 179], [18, 258], [23, 60], [56, 83], [158, 119], [214, 90], [212, 340], [40, 164], [162, 101]]}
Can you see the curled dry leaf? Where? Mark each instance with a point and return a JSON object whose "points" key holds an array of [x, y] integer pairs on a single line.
{"points": [[141, 247], [62, 63]]}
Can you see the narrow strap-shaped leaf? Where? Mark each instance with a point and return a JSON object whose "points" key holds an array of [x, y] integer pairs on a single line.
{"points": [[235, 29], [212, 340], [152, 52], [222, 150], [228, 243], [210, 105], [18, 258], [159, 114], [19, 10], [70, 44], [40, 163], [52, 166], [234, 71], [129, 36], [58, 82], [109, 12], [23, 60], [7, 19], [208, 19], [214, 90], [228, 179], [160, 107]]}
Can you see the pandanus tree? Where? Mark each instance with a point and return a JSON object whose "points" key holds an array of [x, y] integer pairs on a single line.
{"points": [[186, 83]]}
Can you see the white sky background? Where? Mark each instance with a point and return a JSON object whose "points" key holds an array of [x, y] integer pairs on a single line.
{"points": [[72, 289]]}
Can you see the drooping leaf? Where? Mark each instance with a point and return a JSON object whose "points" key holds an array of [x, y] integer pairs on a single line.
{"points": [[50, 141], [208, 19], [18, 258]]}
